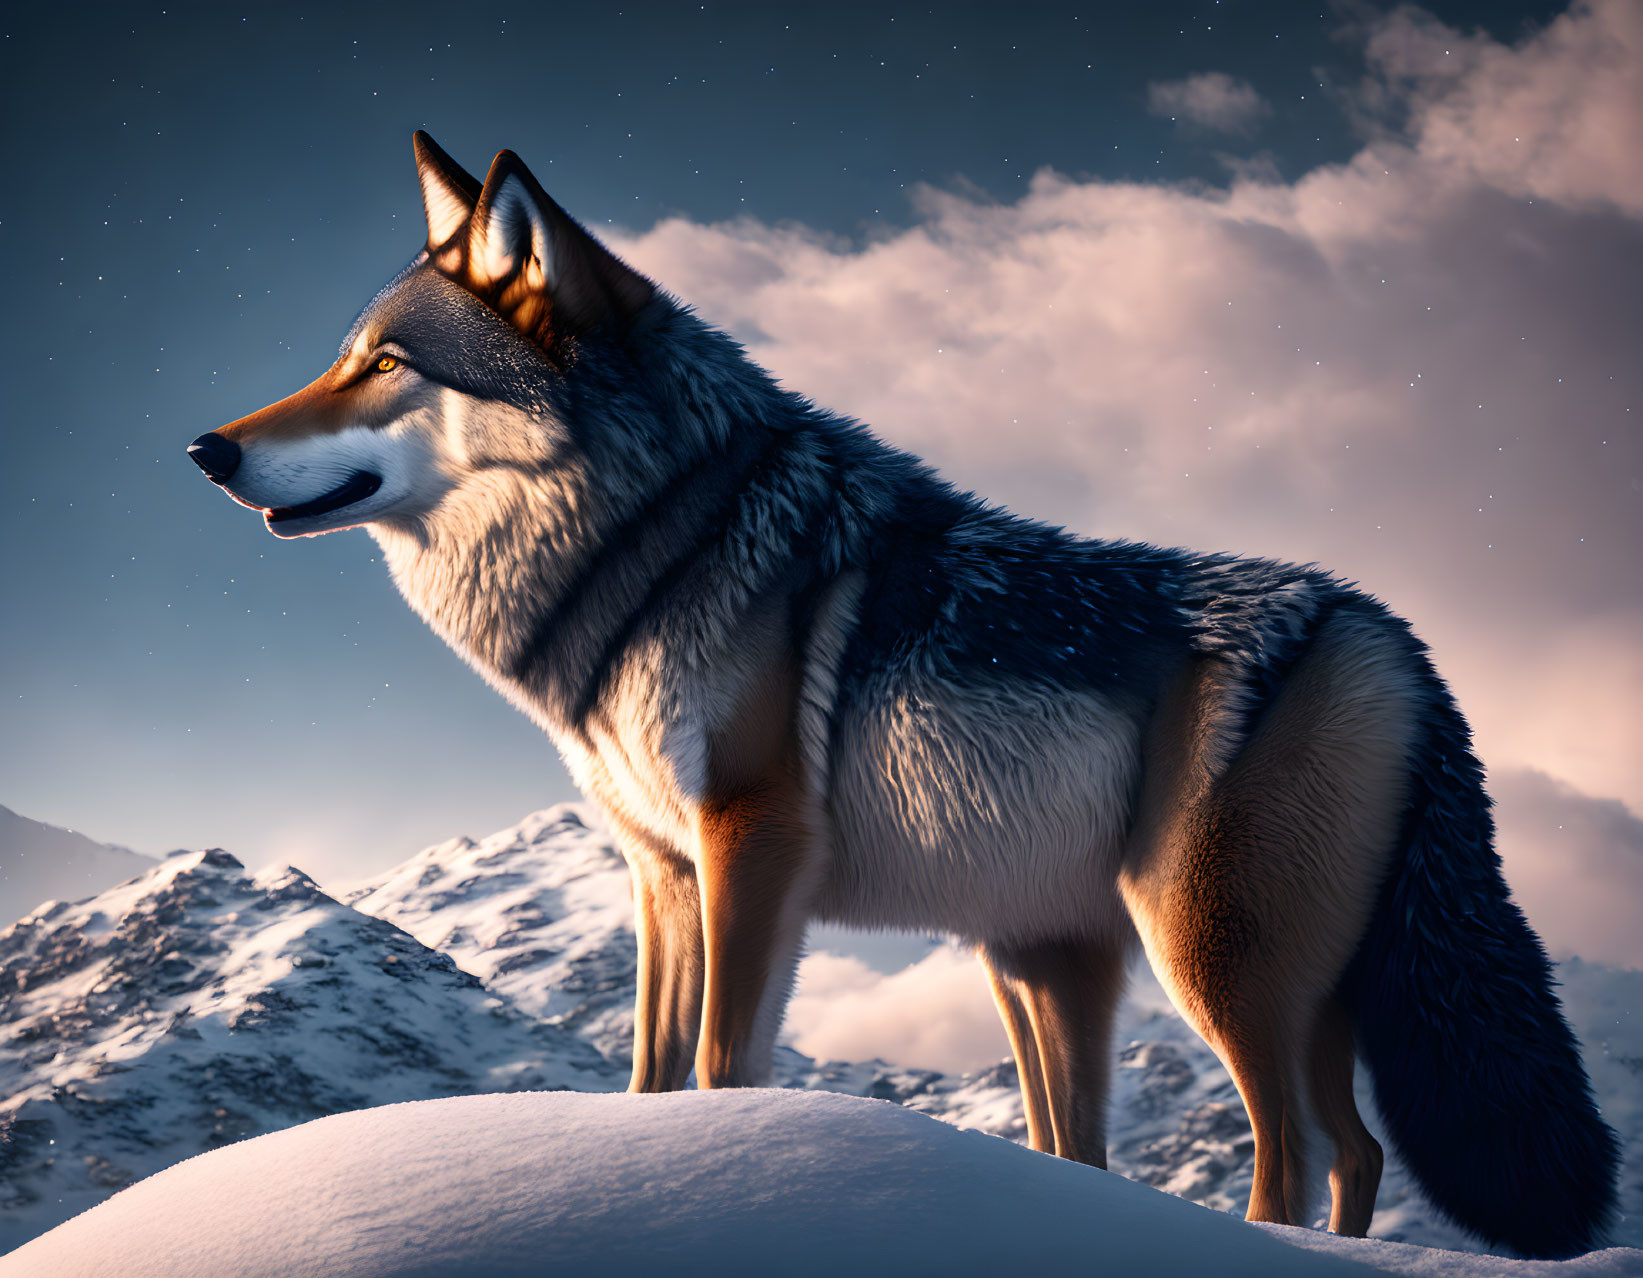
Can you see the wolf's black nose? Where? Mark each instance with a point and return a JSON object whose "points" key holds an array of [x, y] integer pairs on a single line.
{"points": [[216, 456]]}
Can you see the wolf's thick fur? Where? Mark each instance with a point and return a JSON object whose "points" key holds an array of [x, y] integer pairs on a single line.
{"points": [[806, 679]]}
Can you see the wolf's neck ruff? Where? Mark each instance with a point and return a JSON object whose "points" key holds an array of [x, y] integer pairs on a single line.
{"points": [[545, 590]]}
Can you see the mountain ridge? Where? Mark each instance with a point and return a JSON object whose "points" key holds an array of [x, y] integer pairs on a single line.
{"points": [[41, 862]]}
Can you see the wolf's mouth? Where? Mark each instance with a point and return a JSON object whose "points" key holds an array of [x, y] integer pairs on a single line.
{"points": [[360, 485]]}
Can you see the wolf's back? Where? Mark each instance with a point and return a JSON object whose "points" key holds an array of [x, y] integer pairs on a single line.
{"points": [[1476, 1073]]}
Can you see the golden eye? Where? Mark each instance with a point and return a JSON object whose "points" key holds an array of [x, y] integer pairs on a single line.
{"points": [[387, 364]]}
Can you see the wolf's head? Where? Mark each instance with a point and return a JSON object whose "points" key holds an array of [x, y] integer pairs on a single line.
{"points": [[455, 368]]}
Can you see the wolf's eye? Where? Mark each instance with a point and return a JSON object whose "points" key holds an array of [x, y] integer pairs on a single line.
{"points": [[387, 364]]}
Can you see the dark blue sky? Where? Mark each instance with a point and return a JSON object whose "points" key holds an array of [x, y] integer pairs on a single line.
{"points": [[199, 199]]}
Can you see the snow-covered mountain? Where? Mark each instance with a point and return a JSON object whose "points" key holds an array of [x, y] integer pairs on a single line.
{"points": [[540, 912], [40, 862], [199, 1004]]}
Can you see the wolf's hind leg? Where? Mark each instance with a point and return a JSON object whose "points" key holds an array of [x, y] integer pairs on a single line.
{"points": [[1197, 882], [1251, 880], [668, 1006], [1356, 1173], [1239, 1011], [1057, 999], [1257, 1060]]}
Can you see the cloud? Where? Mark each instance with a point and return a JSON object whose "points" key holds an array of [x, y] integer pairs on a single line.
{"points": [[1558, 118], [845, 1010], [1417, 367], [1575, 865], [1212, 99]]}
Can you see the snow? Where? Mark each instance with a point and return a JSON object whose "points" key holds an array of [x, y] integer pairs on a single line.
{"points": [[755, 1182], [199, 1005]]}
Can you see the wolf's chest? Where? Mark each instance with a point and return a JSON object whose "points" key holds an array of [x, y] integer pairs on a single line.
{"points": [[642, 766]]}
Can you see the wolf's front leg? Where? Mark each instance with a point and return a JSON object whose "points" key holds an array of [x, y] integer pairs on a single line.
{"points": [[667, 1011], [755, 868]]}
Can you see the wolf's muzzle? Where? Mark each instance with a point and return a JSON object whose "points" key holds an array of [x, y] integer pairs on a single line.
{"points": [[216, 456]]}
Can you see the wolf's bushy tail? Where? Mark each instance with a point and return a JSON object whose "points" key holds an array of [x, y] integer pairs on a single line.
{"points": [[1476, 1073]]}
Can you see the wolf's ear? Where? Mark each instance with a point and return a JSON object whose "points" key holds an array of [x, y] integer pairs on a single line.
{"points": [[449, 192], [535, 265]]}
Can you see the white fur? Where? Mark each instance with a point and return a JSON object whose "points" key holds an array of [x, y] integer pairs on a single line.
{"points": [[438, 564], [651, 752], [990, 813], [280, 472]]}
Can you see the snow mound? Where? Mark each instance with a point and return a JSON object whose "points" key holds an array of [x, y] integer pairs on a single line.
{"points": [[738, 1182]]}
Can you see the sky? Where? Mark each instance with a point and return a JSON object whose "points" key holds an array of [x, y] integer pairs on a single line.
{"points": [[1347, 285]]}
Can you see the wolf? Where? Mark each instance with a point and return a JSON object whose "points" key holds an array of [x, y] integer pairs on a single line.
{"points": [[806, 679]]}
